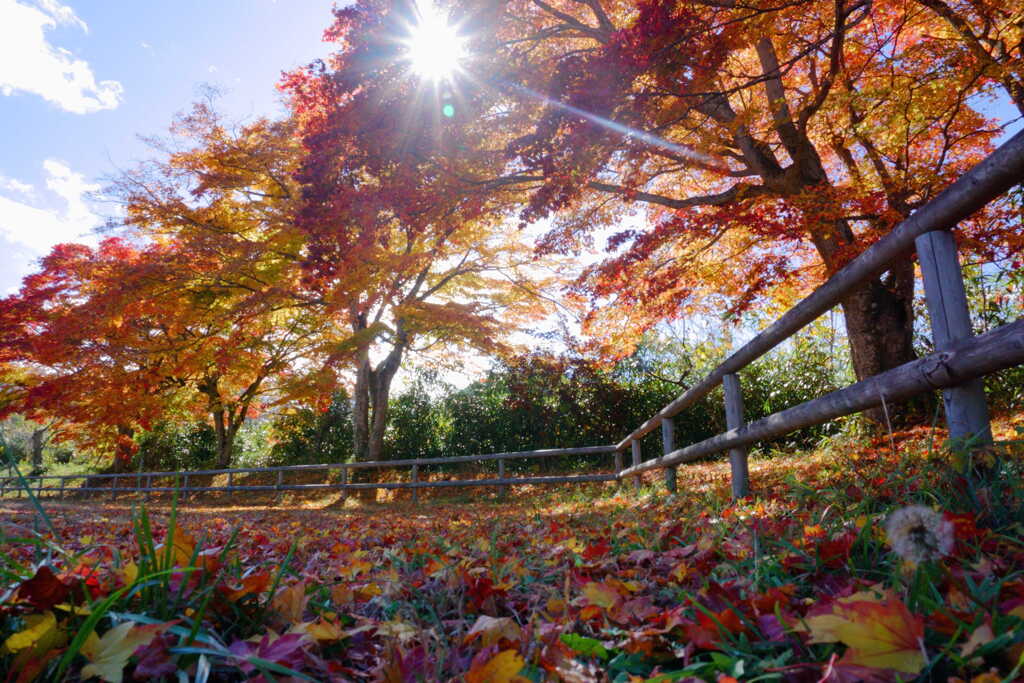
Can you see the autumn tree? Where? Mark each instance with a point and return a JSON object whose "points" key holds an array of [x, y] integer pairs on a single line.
{"points": [[419, 261], [766, 145], [987, 37], [200, 313]]}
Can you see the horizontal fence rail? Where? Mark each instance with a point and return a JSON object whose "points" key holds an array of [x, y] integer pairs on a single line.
{"points": [[144, 481], [996, 350]]}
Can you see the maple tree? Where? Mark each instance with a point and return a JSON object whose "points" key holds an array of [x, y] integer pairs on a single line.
{"points": [[767, 146], [990, 37], [413, 260], [201, 314]]}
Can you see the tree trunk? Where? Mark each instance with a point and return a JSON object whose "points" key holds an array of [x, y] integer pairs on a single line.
{"points": [[226, 426], [879, 321], [370, 403], [37, 449], [125, 449], [361, 409]]}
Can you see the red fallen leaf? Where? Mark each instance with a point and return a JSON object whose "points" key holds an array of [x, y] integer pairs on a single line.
{"points": [[286, 650], [44, 590], [251, 585], [155, 661], [839, 672], [965, 527], [835, 551], [776, 597], [596, 550], [29, 665], [707, 632]]}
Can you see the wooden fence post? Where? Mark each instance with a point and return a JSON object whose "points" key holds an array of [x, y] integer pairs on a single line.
{"points": [[184, 487], [277, 486], [231, 482], [734, 420], [61, 494], [618, 461], [967, 413], [668, 444], [344, 481], [635, 446], [149, 486], [113, 487], [415, 479], [502, 490]]}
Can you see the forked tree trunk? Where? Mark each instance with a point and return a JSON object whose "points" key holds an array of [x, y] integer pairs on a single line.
{"points": [[226, 424], [370, 402]]}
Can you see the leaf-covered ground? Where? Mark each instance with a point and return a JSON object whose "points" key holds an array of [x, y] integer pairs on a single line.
{"points": [[871, 562]]}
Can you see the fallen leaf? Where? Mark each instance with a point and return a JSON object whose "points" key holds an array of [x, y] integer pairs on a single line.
{"points": [[503, 667], [108, 655], [491, 631], [878, 632]]}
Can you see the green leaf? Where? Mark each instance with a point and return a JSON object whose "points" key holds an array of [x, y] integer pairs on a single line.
{"points": [[588, 647]]}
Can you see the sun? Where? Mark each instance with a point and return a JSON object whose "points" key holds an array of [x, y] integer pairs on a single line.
{"points": [[434, 47]]}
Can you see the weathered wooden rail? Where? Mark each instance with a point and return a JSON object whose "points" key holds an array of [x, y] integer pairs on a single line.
{"points": [[144, 483], [961, 359]]}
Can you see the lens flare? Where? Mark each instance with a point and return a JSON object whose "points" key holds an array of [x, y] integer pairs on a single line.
{"points": [[434, 47]]}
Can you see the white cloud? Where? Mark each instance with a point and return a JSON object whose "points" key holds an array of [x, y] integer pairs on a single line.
{"points": [[37, 228], [16, 186], [29, 63]]}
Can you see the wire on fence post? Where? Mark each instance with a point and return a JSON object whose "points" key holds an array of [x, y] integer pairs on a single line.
{"points": [[734, 420], [635, 446], [668, 443]]}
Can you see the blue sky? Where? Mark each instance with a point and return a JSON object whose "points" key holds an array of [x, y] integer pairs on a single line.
{"points": [[81, 79]]}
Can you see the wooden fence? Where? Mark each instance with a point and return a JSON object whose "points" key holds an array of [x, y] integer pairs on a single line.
{"points": [[145, 483], [956, 367]]}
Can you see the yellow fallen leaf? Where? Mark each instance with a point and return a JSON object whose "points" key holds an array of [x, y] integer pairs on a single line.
{"points": [[878, 632], [982, 636], [109, 655], [491, 630], [130, 573], [503, 667], [290, 602], [600, 595], [41, 632]]}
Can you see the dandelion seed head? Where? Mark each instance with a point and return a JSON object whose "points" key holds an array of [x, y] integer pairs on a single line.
{"points": [[919, 534]]}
